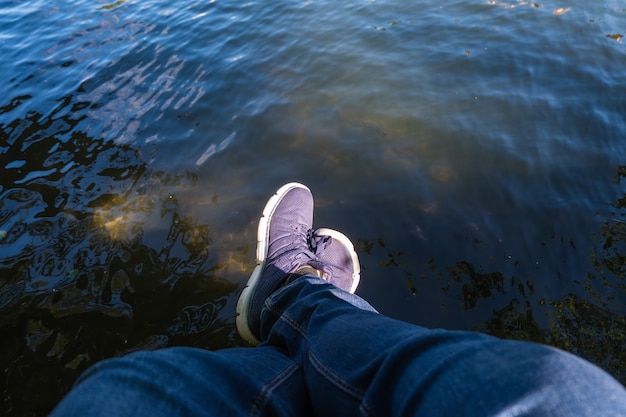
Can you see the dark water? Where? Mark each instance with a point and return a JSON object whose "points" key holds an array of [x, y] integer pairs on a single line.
{"points": [[473, 150]]}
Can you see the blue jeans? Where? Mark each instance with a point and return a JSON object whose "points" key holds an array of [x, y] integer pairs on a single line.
{"points": [[327, 352]]}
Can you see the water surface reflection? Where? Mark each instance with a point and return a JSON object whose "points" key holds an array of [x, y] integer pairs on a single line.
{"points": [[468, 147], [98, 259]]}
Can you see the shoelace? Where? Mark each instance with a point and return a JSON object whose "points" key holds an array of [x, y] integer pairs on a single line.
{"points": [[318, 244], [315, 247], [301, 257]]}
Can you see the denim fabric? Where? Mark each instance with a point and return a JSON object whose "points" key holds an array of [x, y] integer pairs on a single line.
{"points": [[184, 381], [329, 353]]}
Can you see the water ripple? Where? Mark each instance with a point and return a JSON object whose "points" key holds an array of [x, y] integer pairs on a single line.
{"points": [[479, 139]]}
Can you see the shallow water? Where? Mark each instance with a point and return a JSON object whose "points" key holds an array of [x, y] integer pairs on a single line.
{"points": [[473, 151]]}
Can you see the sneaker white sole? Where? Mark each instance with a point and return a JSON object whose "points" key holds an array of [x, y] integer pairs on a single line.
{"points": [[356, 274], [243, 304]]}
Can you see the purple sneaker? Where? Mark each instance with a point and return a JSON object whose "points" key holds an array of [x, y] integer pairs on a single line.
{"points": [[336, 253], [282, 248]]}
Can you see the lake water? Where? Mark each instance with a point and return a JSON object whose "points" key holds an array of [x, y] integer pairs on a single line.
{"points": [[473, 150]]}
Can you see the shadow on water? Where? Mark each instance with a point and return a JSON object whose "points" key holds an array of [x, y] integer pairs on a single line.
{"points": [[590, 323], [97, 261]]}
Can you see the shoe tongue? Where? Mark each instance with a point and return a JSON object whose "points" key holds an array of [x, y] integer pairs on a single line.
{"points": [[325, 270]]}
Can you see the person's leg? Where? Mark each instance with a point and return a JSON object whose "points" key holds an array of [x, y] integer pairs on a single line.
{"points": [[190, 382], [356, 361], [344, 358], [183, 381]]}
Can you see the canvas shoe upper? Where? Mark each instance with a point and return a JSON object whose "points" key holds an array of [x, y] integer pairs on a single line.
{"points": [[282, 248], [338, 258]]}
